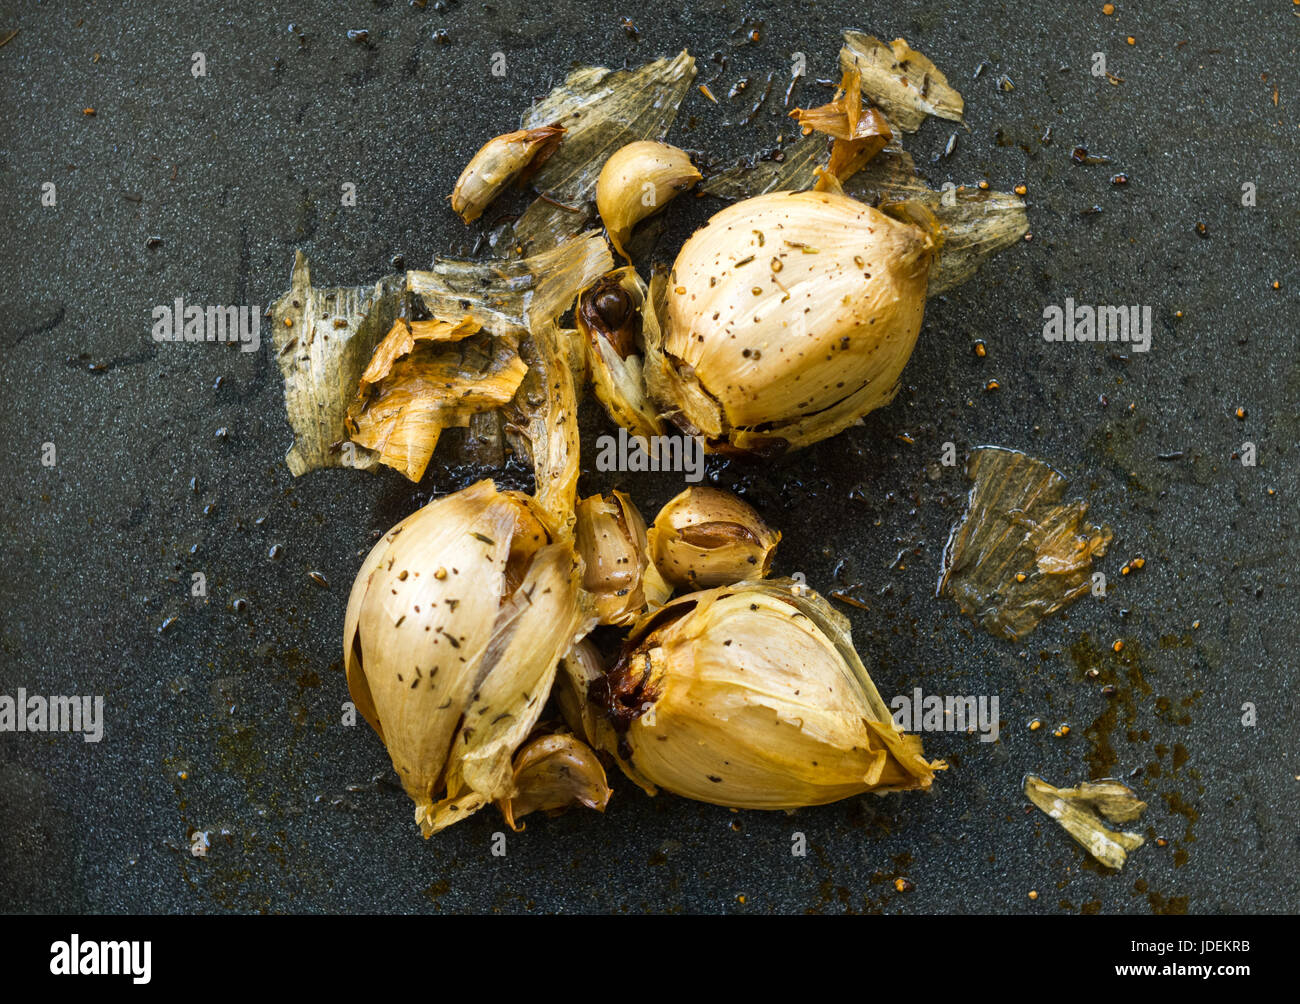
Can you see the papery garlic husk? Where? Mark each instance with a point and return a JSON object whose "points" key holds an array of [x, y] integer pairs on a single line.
{"points": [[426, 377], [551, 773], [610, 538], [752, 696], [615, 325], [498, 162], [859, 133], [786, 319], [638, 181], [454, 627], [707, 537]]}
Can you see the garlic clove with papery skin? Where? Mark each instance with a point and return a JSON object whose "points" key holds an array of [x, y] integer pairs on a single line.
{"points": [[752, 696], [707, 537], [638, 181], [786, 319], [453, 631]]}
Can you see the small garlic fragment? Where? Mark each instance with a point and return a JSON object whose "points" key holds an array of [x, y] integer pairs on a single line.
{"points": [[610, 537], [500, 161], [706, 537], [638, 181]]}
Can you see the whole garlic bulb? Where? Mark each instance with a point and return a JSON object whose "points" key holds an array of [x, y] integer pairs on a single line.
{"points": [[787, 318], [751, 696], [454, 628], [706, 537]]}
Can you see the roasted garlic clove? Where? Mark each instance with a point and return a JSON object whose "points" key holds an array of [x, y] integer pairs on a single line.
{"points": [[611, 317], [638, 181], [610, 537], [553, 772], [751, 696], [706, 537], [501, 160], [454, 628], [786, 319]]}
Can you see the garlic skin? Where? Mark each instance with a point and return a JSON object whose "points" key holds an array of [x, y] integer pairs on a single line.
{"points": [[454, 628], [787, 318], [615, 326], [610, 537], [752, 697], [638, 181], [551, 773], [498, 162], [706, 537]]}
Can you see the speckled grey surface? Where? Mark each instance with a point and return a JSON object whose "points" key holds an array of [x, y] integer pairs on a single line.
{"points": [[229, 722]]}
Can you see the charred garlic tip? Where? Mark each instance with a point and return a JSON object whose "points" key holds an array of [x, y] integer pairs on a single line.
{"points": [[610, 537], [454, 628], [706, 537], [499, 162], [752, 697], [787, 318], [637, 181]]}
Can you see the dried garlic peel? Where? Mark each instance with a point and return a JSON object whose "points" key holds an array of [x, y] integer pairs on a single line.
{"points": [[1076, 809], [323, 339], [425, 377]]}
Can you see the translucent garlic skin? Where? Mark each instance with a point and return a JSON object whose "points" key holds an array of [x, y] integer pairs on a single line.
{"points": [[788, 317], [752, 697]]}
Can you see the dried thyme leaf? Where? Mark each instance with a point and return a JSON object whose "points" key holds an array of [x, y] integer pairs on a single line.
{"points": [[1076, 809], [600, 110], [1018, 555], [904, 84], [511, 296], [323, 340]]}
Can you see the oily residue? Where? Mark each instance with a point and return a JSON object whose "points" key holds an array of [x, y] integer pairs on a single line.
{"points": [[1018, 554]]}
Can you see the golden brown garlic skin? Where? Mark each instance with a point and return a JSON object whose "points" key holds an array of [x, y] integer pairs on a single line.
{"points": [[707, 537]]}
